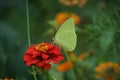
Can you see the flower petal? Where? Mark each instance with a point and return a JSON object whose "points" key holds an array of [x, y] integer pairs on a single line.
{"points": [[45, 56], [40, 64], [47, 66]]}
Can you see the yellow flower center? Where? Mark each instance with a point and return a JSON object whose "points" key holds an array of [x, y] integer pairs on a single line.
{"points": [[42, 47]]}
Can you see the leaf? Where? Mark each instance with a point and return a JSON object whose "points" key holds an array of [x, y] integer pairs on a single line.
{"points": [[53, 24], [66, 36], [106, 39]]}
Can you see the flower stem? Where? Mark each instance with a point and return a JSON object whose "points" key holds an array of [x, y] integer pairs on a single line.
{"points": [[81, 73], [71, 69], [49, 77], [28, 26], [28, 34], [34, 73]]}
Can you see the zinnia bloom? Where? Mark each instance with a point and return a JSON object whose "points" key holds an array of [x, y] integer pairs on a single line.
{"points": [[108, 70], [65, 66], [80, 3], [85, 55], [68, 2], [81, 56], [42, 54], [6, 79], [62, 16]]}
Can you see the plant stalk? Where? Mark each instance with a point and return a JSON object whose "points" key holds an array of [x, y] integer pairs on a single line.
{"points": [[71, 69], [28, 34]]}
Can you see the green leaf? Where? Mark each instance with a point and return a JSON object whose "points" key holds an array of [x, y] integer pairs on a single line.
{"points": [[107, 39], [66, 36], [53, 24]]}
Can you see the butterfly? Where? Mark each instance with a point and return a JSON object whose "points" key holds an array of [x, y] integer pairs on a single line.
{"points": [[66, 36]]}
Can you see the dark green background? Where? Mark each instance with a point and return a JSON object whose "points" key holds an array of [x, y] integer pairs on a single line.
{"points": [[98, 31]]}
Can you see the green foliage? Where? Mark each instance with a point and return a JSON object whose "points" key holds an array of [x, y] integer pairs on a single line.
{"points": [[10, 53], [99, 30]]}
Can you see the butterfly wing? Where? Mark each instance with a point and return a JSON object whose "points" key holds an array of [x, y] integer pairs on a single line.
{"points": [[66, 36]]}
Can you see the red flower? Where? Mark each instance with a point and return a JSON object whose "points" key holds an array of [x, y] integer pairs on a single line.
{"points": [[42, 54]]}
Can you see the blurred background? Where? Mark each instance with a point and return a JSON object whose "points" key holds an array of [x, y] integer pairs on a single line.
{"points": [[97, 24]]}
